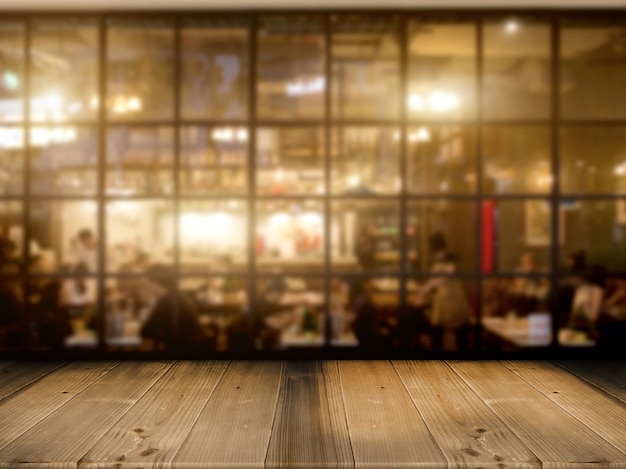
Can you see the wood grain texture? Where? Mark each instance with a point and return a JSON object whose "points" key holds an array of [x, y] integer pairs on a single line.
{"points": [[386, 430], [604, 414], [63, 437], [22, 410], [233, 430], [467, 431], [610, 376], [557, 438], [5, 363], [151, 433], [310, 428], [20, 374]]}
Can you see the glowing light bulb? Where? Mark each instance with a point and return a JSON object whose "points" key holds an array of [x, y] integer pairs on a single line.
{"points": [[511, 27]]}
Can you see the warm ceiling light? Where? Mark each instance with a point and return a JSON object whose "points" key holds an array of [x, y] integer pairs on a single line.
{"points": [[134, 103], [416, 102], [511, 27]]}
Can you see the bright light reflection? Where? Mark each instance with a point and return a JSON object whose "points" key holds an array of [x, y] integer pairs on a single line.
{"points": [[511, 27]]}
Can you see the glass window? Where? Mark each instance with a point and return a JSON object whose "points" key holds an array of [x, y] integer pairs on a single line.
{"points": [[289, 235], [365, 160], [214, 69], [64, 70], [140, 160], [440, 230], [290, 67], [11, 160], [64, 160], [11, 237], [365, 235], [441, 160], [517, 77], [135, 227], [442, 70], [213, 160], [12, 63], [593, 159], [140, 70], [517, 160], [290, 160], [13, 335], [213, 235], [64, 236], [593, 70], [365, 67]]}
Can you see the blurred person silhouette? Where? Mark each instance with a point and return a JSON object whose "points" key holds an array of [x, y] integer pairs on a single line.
{"points": [[86, 249]]}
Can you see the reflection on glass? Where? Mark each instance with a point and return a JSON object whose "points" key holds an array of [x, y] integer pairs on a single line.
{"points": [[438, 229], [12, 78], [12, 333], [365, 160], [365, 235], [63, 236], [516, 83], [593, 70], [213, 235], [64, 160], [64, 70], [442, 70], [213, 160], [517, 160], [135, 227], [597, 227], [11, 160], [290, 161], [214, 69], [593, 159], [289, 233], [140, 160], [365, 67], [11, 237], [441, 160], [140, 70], [289, 313], [290, 67]]}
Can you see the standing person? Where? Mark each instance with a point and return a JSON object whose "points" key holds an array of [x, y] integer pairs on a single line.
{"points": [[86, 249]]}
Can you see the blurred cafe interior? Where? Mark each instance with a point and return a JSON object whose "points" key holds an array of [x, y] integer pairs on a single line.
{"points": [[358, 184]]}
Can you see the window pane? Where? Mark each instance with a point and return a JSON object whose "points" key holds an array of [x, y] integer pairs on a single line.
{"points": [[214, 69], [13, 336], [441, 160], [289, 313], [134, 227], [442, 70], [11, 160], [517, 76], [593, 70], [517, 160], [365, 160], [441, 229], [290, 160], [290, 235], [64, 70], [213, 235], [365, 67], [290, 67], [140, 160], [12, 69], [213, 160], [63, 235], [513, 230], [140, 70], [597, 227], [365, 235], [11, 237], [593, 159], [64, 160]]}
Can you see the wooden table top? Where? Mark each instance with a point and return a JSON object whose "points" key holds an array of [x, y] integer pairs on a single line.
{"points": [[313, 414]]}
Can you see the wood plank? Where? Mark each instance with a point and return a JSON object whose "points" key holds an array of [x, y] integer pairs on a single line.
{"points": [[24, 409], [20, 374], [386, 430], [610, 376], [151, 433], [557, 438], [234, 428], [310, 427], [64, 436], [5, 363], [467, 431], [602, 413]]}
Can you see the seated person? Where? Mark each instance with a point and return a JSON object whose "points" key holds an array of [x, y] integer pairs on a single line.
{"points": [[587, 302]]}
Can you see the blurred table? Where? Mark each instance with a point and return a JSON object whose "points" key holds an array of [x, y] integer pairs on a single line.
{"points": [[515, 331]]}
